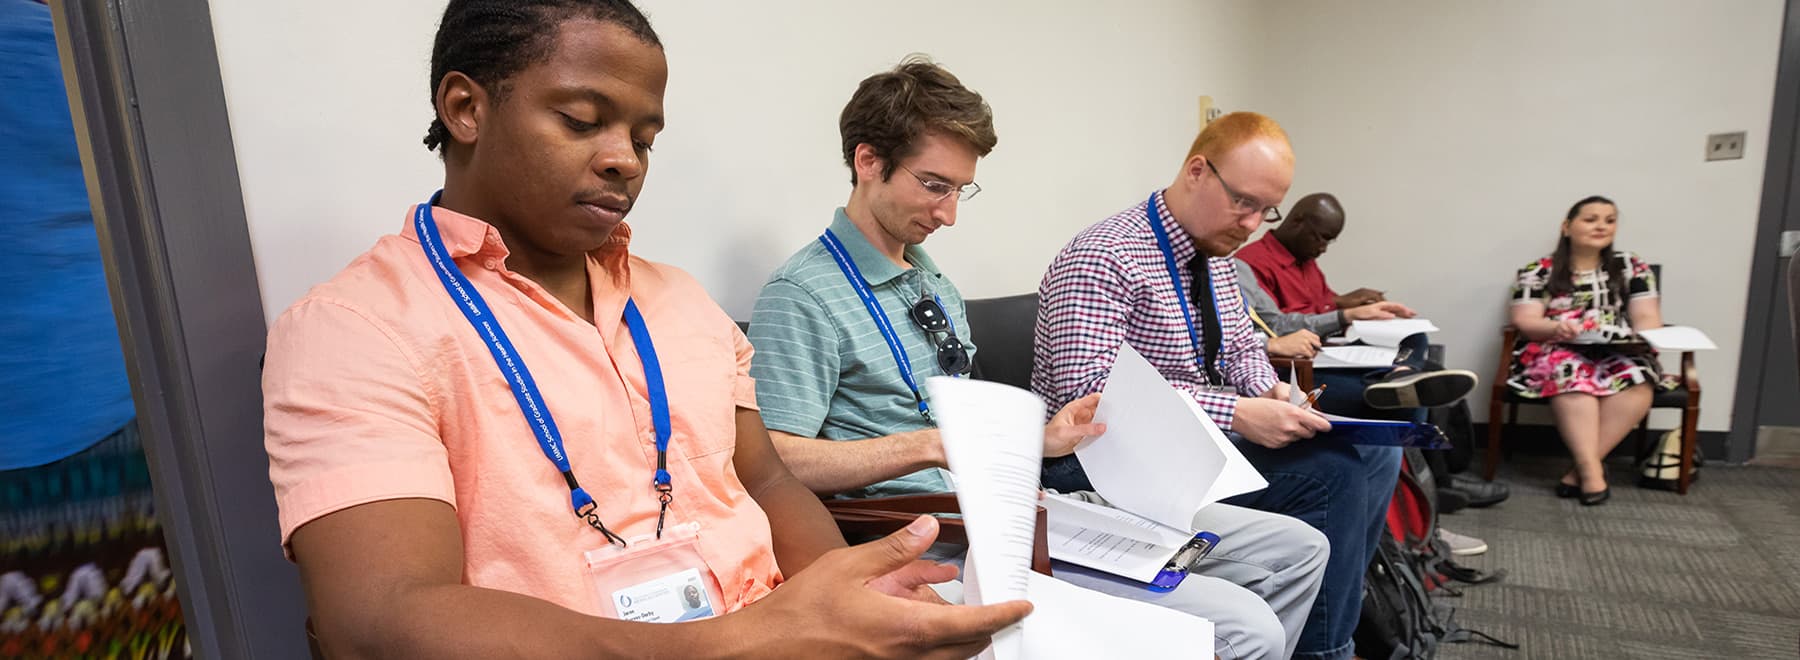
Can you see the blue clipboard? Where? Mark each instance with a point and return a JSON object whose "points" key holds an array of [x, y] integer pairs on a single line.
{"points": [[1384, 433]]}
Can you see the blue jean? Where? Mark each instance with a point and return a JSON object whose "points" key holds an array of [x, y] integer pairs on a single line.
{"points": [[1343, 491]]}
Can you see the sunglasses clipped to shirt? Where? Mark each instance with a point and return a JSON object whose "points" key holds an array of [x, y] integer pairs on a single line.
{"points": [[952, 355]]}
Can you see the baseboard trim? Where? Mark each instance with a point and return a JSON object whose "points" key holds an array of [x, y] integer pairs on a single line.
{"points": [[1543, 440]]}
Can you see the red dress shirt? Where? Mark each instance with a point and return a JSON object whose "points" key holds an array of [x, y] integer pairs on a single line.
{"points": [[1296, 287]]}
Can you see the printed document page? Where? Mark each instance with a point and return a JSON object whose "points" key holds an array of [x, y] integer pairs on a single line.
{"points": [[994, 442], [1388, 333], [1108, 539]]}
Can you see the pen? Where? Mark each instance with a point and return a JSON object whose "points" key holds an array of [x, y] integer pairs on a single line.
{"points": [[1313, 396]]}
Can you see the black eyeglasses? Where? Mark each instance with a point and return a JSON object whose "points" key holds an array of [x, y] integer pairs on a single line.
{"points": [[1242, 204], [952, 355]]}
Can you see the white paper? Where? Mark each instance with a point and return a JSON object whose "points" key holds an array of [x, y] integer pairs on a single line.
{"points": [[1389, 332], [1296, 395], [1161, 456], [1355, 357], [1382, 422], [1073, 623], [1108, 539], [993, 439], [1153, 460], [1239, 475], [1678, 338], [994, 442]]}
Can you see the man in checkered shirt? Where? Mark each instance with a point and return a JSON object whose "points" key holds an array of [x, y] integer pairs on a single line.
{"points": [[1153, 271]]}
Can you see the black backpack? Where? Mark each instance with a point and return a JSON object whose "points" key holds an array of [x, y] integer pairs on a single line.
{"points": [[1399, 618]]}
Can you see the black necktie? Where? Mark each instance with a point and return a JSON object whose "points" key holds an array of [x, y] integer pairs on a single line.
{"points": [[1200, 297]]}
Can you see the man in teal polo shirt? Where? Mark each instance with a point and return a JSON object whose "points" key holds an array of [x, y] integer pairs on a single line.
{"points": [[845, 402]]}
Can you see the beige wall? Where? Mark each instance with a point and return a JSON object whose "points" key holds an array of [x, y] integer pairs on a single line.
{"points": [[1094, 107], [1457, 134]]}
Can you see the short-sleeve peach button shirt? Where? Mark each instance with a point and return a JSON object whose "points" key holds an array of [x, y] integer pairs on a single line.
{"points": [[377, 388]]}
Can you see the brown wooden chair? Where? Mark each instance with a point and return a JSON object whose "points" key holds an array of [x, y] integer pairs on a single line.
{"points": [[1686, 398], [878, 516]]}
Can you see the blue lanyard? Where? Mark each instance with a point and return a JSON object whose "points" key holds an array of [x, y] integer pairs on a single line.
{"points": [[524, 387], [1168, 252], [854, 275]]}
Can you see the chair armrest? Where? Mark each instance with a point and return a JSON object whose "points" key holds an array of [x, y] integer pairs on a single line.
{"points": [[1690, 374], [1509, 337], [880, 516], [1302, 368]]}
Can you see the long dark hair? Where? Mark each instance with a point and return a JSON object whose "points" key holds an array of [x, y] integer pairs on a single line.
{"points": [[1562, 276]]}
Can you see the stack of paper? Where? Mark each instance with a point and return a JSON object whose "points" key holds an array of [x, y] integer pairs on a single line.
{"points": [[993, 439]]}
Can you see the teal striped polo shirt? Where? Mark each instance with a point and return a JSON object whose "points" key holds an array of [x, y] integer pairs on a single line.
{"points": [[821, 366]]}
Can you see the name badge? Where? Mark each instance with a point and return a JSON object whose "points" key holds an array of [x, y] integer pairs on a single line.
{"points": [[656, 580], [668, 599]]}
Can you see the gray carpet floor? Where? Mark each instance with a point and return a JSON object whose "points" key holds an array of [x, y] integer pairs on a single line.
{"points": [[1649, 574]]}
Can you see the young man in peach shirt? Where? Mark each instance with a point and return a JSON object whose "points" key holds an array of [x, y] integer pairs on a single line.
{"points": [[430, 409]]}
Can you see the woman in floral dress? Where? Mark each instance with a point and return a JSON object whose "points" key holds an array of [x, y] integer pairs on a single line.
{"points": [[1580, 309]]}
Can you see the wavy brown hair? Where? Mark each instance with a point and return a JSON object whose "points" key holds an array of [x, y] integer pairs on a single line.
{"points": [[892, 109]]}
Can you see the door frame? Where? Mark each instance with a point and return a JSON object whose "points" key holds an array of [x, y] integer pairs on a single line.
{"points": [[1781, 182], [148, 107]]}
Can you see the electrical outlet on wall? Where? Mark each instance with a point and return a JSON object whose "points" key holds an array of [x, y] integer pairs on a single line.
{"points": [[1208, 111], [1725, 146]]}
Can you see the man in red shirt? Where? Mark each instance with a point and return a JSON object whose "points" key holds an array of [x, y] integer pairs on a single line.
{"points": [[1286, 259]]}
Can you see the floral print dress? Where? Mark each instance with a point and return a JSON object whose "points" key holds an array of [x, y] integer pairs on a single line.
{"points": [[1541, 370]]}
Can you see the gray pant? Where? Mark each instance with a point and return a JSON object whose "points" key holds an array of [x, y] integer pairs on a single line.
{"points": [[1256, 587]]}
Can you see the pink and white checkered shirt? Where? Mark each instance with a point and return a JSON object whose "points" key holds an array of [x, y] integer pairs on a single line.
{"points": [[1110, 285]]}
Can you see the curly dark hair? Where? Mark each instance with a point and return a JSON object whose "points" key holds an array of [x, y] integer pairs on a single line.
{"points": [[491, 40]]}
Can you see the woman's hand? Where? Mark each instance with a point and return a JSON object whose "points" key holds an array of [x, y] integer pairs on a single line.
{"points": [[1562, 330], [1531, 320]]}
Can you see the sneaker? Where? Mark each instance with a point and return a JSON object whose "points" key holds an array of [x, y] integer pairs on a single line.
{"points": [[1461, 546], [1420, 389], [1480, 493]]}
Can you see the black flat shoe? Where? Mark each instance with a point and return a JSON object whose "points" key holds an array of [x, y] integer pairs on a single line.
{"points": [[1567, 491], [1596, 499]]}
